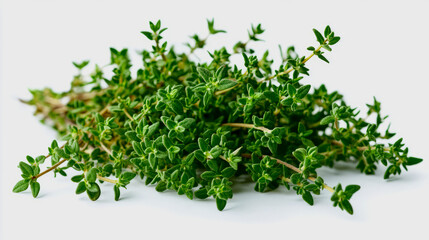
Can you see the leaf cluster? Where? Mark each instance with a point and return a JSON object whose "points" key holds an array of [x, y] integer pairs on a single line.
{"points": [[196, 127]]}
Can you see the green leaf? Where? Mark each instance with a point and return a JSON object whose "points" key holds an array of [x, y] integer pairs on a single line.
{"points": [[30, 159], [152, 161], [334, 40], [77, 178], [300, 154], [226, 83], [199, 155], [307, 142], [35, 188], [61, 153], [302, 91], [201, 193], [326, 46], [234, 165], [319, 36], [205, 74], [272, 146], [81, 188], [246, 59], [228, 172], [208, 175], [91, 175], [161, 187], [127, 176], [137, 147], [413, 161], [81, 65], [215, 140], [206, 98], [170, 124], [308, 198], [388, 171], [117, 192], [187, 122], [21, 186], [152, 129], [322, 58], [40, 159], [166, 142], [213, 165], [347, 206], [351, 189], [291, 90], [272, 96], [327, 120], [256, 121], [211, 27], [311, 187], [220, 204], [288, 101], [93, 192], [203, 145], [26, 169], [132, 136], [327, 31], [215, 151], [148, 35]]}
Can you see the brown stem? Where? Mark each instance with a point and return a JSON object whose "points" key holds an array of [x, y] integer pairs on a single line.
{"points": [[50, 169], [106, 108], [290, 166]]}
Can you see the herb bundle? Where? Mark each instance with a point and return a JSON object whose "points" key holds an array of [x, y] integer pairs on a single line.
{"points": [[194, 127]]}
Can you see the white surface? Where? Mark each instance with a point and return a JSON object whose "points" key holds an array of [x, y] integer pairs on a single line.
{"points": [[383, 52]]}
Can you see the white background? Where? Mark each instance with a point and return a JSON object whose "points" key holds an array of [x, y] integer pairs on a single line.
{"points": [[383, 52]]}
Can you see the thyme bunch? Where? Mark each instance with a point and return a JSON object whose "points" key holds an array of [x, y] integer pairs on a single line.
{"points": [[194, 127]]}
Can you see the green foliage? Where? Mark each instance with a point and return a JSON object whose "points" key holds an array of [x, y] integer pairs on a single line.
{"points": [[194, 127]]}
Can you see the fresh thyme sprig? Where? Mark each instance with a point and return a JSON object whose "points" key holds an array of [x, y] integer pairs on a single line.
{"points": [[193, 127]]}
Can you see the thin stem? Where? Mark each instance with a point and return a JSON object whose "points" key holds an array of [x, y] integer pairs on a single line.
{"points": [[105, 148], [192, 50], [50, 169], [290, 166], [246, 125], [317, 50], [157, 47], [225, 90], [106, 108], [128, 115], [107, 179], [298, 171], [363, 119], [324, 185], [55, 165], [291, 69], [223, 158], [286, 179], [362, 148]]}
